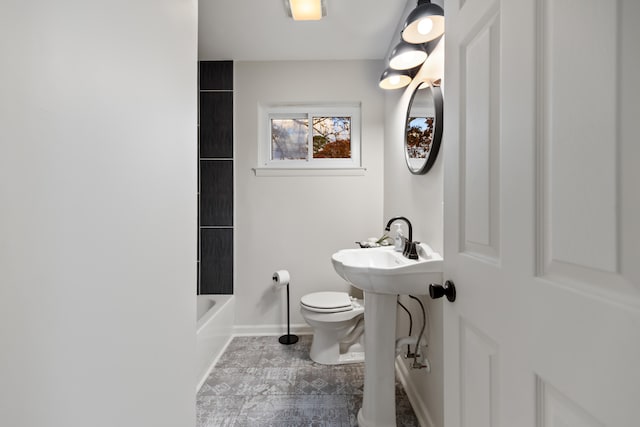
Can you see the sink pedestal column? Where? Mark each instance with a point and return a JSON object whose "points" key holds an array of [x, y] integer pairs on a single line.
{"points": [[379, 399]]}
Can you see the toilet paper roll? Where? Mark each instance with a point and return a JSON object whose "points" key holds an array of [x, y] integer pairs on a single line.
{"points": [[280, 278]]}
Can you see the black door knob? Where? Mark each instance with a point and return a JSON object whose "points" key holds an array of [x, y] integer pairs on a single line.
{"points": [[438, 291]]}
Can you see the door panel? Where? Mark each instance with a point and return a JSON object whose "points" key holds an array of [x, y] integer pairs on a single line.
{"points": [[578, 134], [479, 147], [556, 410], [478, 377], [629, 154], [541, 213]]}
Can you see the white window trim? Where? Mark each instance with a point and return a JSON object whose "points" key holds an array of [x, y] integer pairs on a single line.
{"points": [[347, 167]]}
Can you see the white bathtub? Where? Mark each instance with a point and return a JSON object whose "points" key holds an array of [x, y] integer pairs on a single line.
{"points": [[213, 331]]}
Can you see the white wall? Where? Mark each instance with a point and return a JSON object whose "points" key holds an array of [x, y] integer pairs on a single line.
{"points": [[97, 213], [296, 223], [419, 198]]}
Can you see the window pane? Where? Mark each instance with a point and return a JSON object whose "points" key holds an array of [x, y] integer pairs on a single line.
{"points": [[419, 136], [289, 139], [331, 137]]}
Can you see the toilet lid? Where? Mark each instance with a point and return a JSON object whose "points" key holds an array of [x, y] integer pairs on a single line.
{"points": [[334, 301]]}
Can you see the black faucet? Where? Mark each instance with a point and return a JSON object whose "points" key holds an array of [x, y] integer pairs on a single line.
{"points": [[396, 218], [410, 247]]}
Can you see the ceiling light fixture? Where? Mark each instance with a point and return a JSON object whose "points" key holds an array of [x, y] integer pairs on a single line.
{"points": [[424, 23], [306, 10], [406, 56], [395, 79]]}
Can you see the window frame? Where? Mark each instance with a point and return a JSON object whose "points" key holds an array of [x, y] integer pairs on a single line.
{"points": [[308, 111]]}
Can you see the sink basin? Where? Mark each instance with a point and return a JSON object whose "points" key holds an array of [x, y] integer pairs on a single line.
{"points": [[382, 270]]}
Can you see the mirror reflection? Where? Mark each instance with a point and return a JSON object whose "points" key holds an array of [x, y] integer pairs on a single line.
{"points": [[423, 128]]}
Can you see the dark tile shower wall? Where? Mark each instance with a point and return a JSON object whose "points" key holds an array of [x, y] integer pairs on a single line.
{"points": [[215, 185]]}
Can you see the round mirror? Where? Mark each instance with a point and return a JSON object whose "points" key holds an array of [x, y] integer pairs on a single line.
{"points": [[423, 128]]}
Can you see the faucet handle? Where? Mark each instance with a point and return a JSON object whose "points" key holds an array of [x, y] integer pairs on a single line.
{"points": [[410, 249]]}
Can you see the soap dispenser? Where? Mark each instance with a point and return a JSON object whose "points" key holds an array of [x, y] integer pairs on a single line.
{"points": [[399, 239]]}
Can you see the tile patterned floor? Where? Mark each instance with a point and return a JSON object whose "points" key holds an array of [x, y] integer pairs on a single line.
{"points": [[260, 382]]}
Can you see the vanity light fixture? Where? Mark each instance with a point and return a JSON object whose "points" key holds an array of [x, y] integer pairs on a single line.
{"points": [[406, 56], [306, 10], [395, 79], [424, 23]]}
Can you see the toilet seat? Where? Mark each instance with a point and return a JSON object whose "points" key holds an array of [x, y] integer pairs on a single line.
{"points": [[327, 302]]}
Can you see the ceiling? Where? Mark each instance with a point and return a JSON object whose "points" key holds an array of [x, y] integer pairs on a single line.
{"points": [[260, 30]]}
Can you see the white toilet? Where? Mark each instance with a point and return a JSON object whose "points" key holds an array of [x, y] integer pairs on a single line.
{"points": [[337, 320]]}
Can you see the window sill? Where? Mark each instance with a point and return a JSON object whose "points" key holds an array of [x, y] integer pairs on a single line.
{"points": [[309, 171]]}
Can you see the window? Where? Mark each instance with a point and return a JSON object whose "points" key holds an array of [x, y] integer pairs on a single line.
{"points": [[312, 137]]}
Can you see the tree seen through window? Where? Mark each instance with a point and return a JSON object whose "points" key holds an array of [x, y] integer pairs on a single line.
{"points": [[331, 138]]}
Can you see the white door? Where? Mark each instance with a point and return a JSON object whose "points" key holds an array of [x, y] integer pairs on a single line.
{"points": [[542, 213]]}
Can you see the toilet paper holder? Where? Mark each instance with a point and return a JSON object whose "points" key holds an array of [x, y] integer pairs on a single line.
{"points": [[281, 278]]}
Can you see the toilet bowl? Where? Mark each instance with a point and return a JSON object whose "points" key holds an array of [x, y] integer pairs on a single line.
{"points": [[337, 320]]}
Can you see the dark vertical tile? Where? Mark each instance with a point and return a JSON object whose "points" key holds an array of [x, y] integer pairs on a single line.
{"points": [[216, 265], [216, 75], [198, 271], [216, 192], [215, 178], [216, 124]]}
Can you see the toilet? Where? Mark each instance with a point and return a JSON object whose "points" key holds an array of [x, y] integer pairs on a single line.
{"points": [[337, 320]]}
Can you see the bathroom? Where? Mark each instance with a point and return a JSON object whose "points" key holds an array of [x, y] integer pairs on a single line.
{"points": [[97, 234], [296, 221]]}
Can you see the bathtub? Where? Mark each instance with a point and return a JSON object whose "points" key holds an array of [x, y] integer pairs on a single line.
{"points": [[213, 331]]}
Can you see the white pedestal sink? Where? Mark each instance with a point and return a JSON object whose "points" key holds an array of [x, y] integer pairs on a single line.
{"points": [[383, 274]]}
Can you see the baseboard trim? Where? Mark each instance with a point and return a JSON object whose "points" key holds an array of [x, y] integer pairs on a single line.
{"points": [[260, 330], [417, 402]]}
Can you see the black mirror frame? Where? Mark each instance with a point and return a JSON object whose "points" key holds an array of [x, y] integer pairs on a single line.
{"points": [[436, 93]]}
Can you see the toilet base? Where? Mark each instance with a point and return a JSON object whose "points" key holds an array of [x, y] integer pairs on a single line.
{"points": [[327, 349], [351, 357], [333, 356]]}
